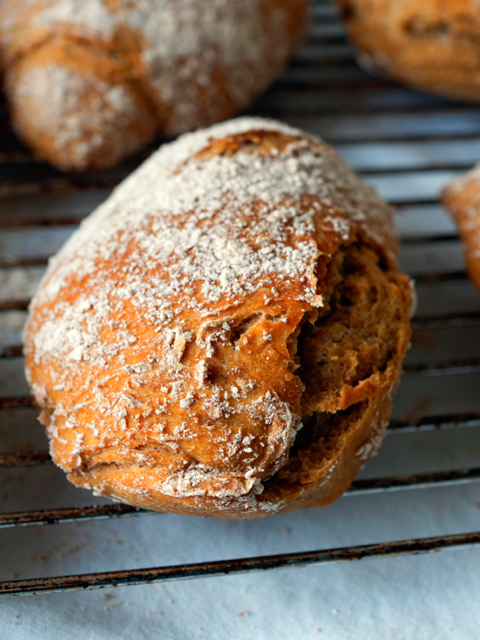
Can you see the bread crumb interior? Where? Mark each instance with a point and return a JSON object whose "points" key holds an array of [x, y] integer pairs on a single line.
{"points": [[349, 345]]}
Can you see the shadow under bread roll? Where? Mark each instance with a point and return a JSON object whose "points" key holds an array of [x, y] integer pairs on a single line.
{"points": [[223, 336]]}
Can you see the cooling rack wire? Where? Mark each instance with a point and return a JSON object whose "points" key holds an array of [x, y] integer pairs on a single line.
{"points": [[408, 145]]}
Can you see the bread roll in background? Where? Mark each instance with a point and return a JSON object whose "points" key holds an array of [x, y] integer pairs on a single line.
{"points": [[433, 45], [89, 82], [223, 336], [462, 199]]}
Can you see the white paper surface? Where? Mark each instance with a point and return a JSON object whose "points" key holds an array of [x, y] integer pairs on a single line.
{"points": [[430, 597]]}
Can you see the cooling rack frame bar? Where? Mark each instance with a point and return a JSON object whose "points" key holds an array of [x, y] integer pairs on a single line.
{"points": [[232, 567]]}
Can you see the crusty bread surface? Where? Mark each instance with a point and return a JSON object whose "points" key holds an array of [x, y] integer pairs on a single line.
{"points": [[462, 199], [91, 81], [433, 45], [223, 336]]}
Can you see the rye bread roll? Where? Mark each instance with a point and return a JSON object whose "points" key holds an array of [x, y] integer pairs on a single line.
{"points": [[89, 82], [433, 45], [462, 198], [222, 337]]}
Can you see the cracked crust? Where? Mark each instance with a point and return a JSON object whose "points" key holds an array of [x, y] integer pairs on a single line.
{"points": [[229, 360], [433, 45]]}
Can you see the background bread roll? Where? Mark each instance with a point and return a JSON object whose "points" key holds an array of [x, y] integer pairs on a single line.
{"points": [[462, 199], [222, 337], [90, 82], [433, 45]]}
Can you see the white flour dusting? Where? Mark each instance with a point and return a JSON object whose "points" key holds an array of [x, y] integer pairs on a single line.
{"points": [[58, 93], [185, 236], [223, 226], [197, 60]]}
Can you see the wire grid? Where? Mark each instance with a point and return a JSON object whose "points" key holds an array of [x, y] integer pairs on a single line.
{"points": [[406, 144]]}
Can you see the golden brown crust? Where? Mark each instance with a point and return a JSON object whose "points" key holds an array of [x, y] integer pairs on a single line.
{"points": [[433, 45], [170, 343], [90, 83], [462, 199], [93, 131]]}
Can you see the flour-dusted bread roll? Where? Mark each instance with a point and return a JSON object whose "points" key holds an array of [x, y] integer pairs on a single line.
{"points": [[90, 81], [433, 45], [222, 337], [462, 199]]}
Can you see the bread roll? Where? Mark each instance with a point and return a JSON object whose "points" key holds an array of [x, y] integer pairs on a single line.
{"points": [[91, 81], [433, 45], [462, 199], [222, 337]]}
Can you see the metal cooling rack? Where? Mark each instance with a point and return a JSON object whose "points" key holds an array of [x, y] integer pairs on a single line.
{"points": [[405, 143]]}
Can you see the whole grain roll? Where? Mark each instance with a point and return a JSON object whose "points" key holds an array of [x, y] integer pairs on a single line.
{"points": [[90, 81], [433, 45], [222, 337], [462, 198]]}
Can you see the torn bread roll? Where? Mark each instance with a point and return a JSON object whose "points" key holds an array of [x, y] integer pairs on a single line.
{"points": [[222, 337], [462, 199], [89, 82], [433, 45]]}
